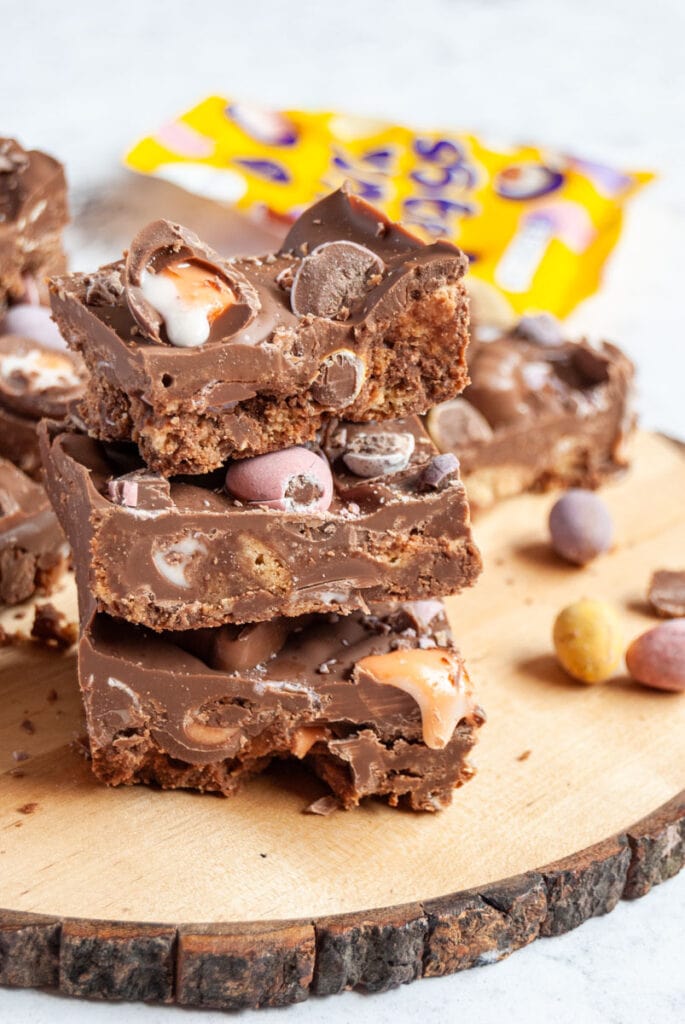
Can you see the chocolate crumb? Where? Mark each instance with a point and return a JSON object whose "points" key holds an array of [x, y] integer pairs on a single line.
{"points": [[264, 855], [324, 806], [28, 808], [667, 593], [52, 628]]}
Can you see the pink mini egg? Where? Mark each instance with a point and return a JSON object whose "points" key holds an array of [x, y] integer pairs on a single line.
{"points": [[657, 657], [28, 321], [292, 480]]}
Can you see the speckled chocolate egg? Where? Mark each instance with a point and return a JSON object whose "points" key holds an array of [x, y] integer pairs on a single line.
{"points": [[588, 640], [657, 657], [33, 322], [291, 480], [580, 526]]}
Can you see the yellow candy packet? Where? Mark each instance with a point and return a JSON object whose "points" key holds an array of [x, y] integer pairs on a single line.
{"points": [[538, 225]]}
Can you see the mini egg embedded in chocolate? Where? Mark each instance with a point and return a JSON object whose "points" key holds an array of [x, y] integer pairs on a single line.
{"points": [[456, 423], [183, 293], [333, 279], [339, 380], [378, 453], [441, 471], [291, 480]]}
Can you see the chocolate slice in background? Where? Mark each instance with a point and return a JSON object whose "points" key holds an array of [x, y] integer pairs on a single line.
{"points": [[36, 381]]}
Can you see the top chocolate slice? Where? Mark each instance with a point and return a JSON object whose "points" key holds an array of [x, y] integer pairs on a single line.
{"points": [[199, 358]]}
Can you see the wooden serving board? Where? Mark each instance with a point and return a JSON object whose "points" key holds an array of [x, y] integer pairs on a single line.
{"points": [[140, 894]]}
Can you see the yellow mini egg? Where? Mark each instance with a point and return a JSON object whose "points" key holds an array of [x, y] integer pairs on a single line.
{"points": [[589, 641]]}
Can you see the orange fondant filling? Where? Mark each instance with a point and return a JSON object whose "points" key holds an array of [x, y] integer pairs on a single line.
{"points": [[198, 286]]}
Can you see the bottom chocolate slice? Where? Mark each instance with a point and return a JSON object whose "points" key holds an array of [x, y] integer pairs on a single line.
{"points": [[376, 705]]}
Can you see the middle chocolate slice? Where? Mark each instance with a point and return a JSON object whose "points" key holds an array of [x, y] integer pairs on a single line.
{"points": [[373, 514]]}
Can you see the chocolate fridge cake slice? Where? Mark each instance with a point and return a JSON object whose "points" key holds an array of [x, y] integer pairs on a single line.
{"points": [[33, 213], [540, 412], [198, 358], [373, 514], [33, 551], [375, 705]]}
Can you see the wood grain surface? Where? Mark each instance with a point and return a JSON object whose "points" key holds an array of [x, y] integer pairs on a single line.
{"points": [[579, 801]]}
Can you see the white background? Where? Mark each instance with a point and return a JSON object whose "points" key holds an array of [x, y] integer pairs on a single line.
{"points": [[604, 77]]}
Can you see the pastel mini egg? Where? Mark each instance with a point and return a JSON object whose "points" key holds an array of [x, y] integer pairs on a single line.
{"points": [[588, 640], [580, 526], [657, 657], [292, 480]]}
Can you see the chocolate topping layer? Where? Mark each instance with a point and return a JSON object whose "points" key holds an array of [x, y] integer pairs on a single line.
{"points": [[385, 337], [187, 553], [158, 713], [538, 413]]}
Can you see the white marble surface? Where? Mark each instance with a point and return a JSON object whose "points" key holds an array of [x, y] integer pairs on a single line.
{"points": [[603, 76]]}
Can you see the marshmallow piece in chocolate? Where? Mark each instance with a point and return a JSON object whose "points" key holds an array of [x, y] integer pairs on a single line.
{"points": [[333, 279], [378, 453], [340, 379], [292, 480], [436, 680], [141, 490], [27, 320], [183, 293]]}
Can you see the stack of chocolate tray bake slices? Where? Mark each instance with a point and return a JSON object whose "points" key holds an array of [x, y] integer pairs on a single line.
{"points": [[262, 528]]}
